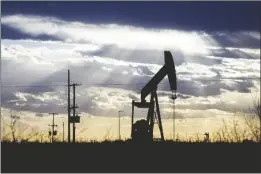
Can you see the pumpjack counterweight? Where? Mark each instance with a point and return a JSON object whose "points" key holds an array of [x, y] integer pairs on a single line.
{"points": [[142, 130]]}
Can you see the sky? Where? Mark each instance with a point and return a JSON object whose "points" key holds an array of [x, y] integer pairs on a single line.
{"points": [[114, 48]]}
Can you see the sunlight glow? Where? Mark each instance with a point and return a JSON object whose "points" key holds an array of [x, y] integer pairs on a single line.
{"points": [[126, 37]]}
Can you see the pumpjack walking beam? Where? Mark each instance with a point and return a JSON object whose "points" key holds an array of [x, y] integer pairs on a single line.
{"points": [[151, 88]]}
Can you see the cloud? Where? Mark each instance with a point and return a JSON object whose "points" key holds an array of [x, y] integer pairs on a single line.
{"points": [[93, 71], [123, 36], [39, 115], [237, 39], [105, 57], [235, 53]]}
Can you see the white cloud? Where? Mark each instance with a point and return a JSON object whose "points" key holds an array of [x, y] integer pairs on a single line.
{"points": [[195, 70], [246, 50], [123, 36], [243, 68], [94, 60], [102, 69]]}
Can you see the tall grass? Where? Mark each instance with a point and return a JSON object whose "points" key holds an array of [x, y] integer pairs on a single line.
{"points": [[227, 133]]}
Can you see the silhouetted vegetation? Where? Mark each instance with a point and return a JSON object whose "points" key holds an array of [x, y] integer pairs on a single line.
{"points": [[232, 148]]}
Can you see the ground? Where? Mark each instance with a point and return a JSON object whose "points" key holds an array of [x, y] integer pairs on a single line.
{"points": [[129, 157]]}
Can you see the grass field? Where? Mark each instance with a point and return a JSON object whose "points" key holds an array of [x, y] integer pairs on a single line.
{"points": [[124, 156], [225, 153]]}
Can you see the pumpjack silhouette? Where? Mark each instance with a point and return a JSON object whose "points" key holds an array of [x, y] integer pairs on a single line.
{"points": [[142, 130]]}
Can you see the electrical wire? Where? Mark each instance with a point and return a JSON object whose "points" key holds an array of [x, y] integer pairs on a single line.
{"points": [[95, 83], [113, 84], [24, 86]]}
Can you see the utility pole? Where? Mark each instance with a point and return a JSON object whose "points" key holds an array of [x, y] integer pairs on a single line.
{"points": [[69, 108], [74, 107], [63, 131], [120, 124], [53, 125], [72, 119]]}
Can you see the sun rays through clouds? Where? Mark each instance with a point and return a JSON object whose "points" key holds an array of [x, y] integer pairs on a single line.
{"points": [[113, 62]]}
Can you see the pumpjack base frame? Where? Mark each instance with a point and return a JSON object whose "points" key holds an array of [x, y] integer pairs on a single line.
{"points": [[151, 116]]}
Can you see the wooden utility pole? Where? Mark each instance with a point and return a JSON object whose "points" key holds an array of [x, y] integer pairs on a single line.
{"points": [[63, 131], [120, 124], [69, 108], [72, 119], [74, 109], [53, 125]]}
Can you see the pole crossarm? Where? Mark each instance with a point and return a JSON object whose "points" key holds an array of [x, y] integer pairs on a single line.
{"points": [[53, 125]]}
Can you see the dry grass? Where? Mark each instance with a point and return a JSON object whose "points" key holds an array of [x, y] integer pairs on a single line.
{"points": [[228, 133]]}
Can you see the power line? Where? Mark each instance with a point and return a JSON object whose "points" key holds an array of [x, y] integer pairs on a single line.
{"points": [[24, 86], [36, 86], [106, 84], [118, 84]]}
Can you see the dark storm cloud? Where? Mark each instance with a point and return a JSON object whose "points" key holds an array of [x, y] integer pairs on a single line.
{"points": [[212, 88], [156, 56], [91, 74], [41, 87], [15, 71], [39, 115], [35, 105], [168, 94], [237, 39], [235, 54], [7, 95], [102, 74]]}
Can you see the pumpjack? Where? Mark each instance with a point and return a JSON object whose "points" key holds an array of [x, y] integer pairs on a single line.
{"points": [[142, 130]]}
